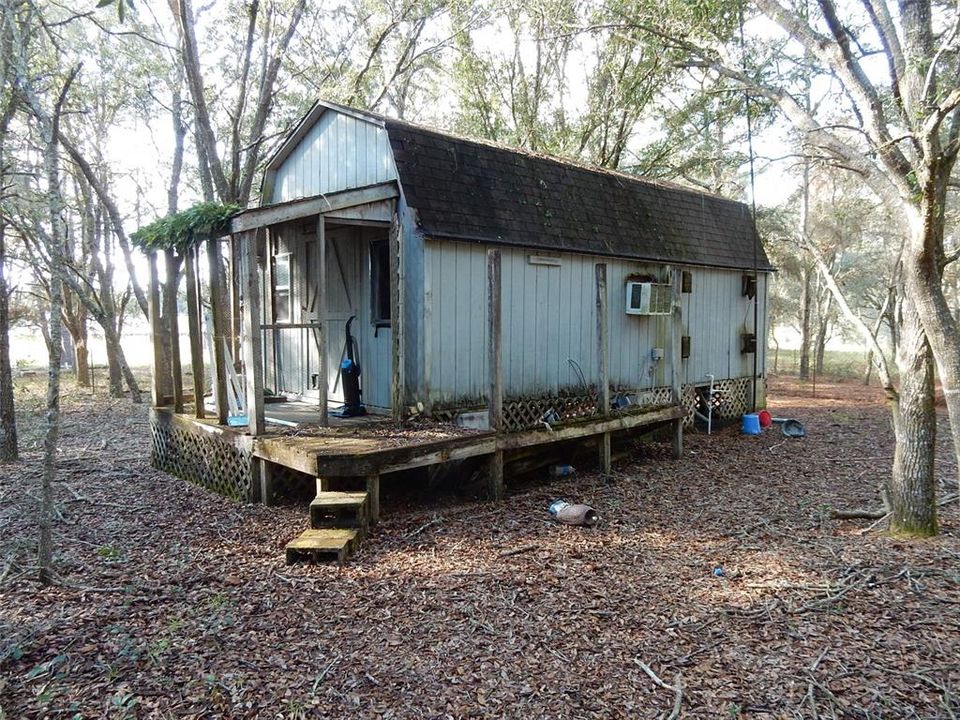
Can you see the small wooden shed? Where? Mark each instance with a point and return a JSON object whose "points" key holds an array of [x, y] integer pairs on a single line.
{"points": [[535, 297]]}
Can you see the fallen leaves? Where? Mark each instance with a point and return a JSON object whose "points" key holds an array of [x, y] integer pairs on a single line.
{"points": [[468, 609]]}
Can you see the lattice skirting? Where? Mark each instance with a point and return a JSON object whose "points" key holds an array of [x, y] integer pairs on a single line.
{"points": [[731, 398], [203, 455]]}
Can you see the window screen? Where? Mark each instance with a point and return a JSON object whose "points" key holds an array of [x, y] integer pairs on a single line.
{"points": [[281, 288]]}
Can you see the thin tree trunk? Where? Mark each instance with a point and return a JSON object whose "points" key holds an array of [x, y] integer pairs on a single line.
{"points": [[820, 342], [8, 419], [9, 449], [806, 306], [81, 353]]}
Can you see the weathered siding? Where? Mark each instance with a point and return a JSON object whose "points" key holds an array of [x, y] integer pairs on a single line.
{"points": [[715, 314], [549, 320], [338, 153]]}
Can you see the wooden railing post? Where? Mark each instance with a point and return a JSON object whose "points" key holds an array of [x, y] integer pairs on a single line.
{"points": [[217, 331], [252, 354], [196, 335], [495, 367], [676, 362], [170, 287], [603, 363], [156, 331], [322, 381]]}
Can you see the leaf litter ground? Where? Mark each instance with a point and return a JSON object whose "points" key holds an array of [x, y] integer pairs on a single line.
{"points": [[177, 603]]}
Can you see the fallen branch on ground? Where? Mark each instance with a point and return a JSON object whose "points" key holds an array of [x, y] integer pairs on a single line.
{"points": [[676, 688], [517, 551], [858, 513]]}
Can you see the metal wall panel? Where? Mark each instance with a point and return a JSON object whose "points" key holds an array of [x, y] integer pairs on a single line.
{"points": [[549, 324], [338, 153], [715, 314]]}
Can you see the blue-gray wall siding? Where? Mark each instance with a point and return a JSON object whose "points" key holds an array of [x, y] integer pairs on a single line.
{"points": [[339, 152], [549, 318]]}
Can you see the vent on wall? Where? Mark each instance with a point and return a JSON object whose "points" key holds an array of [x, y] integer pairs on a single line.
{"points": [[686, 281], [684, 346], [646, 298]]}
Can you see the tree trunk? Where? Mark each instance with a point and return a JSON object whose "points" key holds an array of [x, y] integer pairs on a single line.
{"points": [[911, 493], [820, 342], [8, 419], [806, 306], [82, 357], [114, 371], [923, 279], [118, 368]]}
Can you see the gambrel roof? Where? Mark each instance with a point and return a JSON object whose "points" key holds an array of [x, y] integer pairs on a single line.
{"points": [[477, 191]]}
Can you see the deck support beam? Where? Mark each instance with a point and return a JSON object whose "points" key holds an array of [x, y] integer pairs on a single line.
{"points": [[495, 366], [373, 493], [603, 362]]}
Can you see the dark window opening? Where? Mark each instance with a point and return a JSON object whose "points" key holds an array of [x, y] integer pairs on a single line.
{"points": [[380, 282]]}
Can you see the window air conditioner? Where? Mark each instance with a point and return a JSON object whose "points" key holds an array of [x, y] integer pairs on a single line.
{"points": [[645, 298]]}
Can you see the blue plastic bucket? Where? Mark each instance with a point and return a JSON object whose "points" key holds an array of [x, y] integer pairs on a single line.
{"points": [[751, 424]]}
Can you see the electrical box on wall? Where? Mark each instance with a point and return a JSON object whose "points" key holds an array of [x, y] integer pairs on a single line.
{"points": [[686, 281], [684, 346], [748, 286], [656, 354], [748, 343]]}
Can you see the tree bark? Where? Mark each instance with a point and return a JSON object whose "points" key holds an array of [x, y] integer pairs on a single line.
{"points": [[911, 494]]}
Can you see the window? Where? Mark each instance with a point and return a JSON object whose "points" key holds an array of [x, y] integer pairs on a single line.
{"points": [[281, 288], [380, 282]]}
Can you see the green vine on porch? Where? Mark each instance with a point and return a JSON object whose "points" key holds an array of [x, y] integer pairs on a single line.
{"points": [[186, 228]]}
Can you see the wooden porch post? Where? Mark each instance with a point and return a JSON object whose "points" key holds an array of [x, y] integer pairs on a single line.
{"points": [[196, 336], [676, 362], [217, 331], [252, 354], [396, 321], [170, 287], [495, 367], [322, 318], [156, 332], [603, 362]]}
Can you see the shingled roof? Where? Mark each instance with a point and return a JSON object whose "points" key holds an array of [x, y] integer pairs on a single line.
{"points": [[472, 190], [463, 189]]}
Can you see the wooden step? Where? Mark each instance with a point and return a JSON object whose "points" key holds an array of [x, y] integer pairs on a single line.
{"points": [[340, 510], [325, 545]]}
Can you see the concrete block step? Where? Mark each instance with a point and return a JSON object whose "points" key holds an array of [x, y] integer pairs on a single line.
{"points": [[323, 545]]}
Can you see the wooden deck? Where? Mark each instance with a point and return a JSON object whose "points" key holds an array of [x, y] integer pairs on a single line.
{"points": [[380, 448], [229, 460]]}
